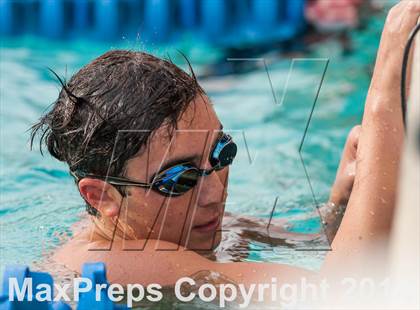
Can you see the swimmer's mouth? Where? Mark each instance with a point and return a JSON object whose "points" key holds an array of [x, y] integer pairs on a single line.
{"points": [[208, 226]]}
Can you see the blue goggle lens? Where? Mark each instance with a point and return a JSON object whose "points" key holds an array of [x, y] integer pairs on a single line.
{"points": [[223, 153]]}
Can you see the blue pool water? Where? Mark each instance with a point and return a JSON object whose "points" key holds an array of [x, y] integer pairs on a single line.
{"points": [[39, 202]]}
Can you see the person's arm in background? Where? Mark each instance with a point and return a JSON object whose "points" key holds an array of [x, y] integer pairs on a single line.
{"points": [[367, 221]]}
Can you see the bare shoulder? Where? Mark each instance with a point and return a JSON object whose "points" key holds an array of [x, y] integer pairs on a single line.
{"points": [[134, 261], [153, 261], [166, 267]]}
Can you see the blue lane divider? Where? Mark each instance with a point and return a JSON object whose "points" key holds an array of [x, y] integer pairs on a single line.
{"points": [[96, 272], [106, 19], [265, 14], [14, 276], [295, 11], [24, 298], [188, 11], [214, 17], [82, 17], [6, 17], [157, 19], [219, 21], [51, 18]]}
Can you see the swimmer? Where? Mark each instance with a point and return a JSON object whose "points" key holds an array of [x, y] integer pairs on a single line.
{"points": [[134, 91]]}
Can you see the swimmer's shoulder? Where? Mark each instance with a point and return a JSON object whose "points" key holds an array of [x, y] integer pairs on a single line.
{"points": [[167, 267], [131, 261]]}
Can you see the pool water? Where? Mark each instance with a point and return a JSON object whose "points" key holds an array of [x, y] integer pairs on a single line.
{"points": [[39, 201]]}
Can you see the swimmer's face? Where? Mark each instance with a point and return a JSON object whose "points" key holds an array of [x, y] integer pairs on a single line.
{"points": [[192, 220]]}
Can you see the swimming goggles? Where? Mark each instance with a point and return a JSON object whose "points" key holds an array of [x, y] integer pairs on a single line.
{"points": [[180, 178]]}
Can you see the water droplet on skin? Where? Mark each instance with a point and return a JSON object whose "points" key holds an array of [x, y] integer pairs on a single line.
{"points": [[377, 158], [384, 188], [383, 200], [372, 213], [394, 129]]}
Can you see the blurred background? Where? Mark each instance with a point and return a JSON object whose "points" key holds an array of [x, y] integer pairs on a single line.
{"points": [[261, 62]]}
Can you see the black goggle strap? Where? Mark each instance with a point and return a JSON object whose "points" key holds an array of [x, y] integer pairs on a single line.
{"points": [[78, 175]]}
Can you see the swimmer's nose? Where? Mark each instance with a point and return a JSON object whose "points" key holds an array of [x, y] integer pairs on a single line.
{"points": [[210, 189]]}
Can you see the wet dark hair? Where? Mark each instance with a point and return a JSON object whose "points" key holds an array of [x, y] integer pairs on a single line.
{"points": [[120, 90]]}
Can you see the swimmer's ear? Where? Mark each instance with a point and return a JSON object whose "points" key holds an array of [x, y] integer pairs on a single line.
{"points": [[101, 196]]}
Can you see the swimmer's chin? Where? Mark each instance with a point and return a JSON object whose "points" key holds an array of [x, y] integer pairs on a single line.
{"points": [[208, 244]]}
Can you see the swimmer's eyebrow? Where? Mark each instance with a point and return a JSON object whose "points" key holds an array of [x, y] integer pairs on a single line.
{"points": [[191, 158]]}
